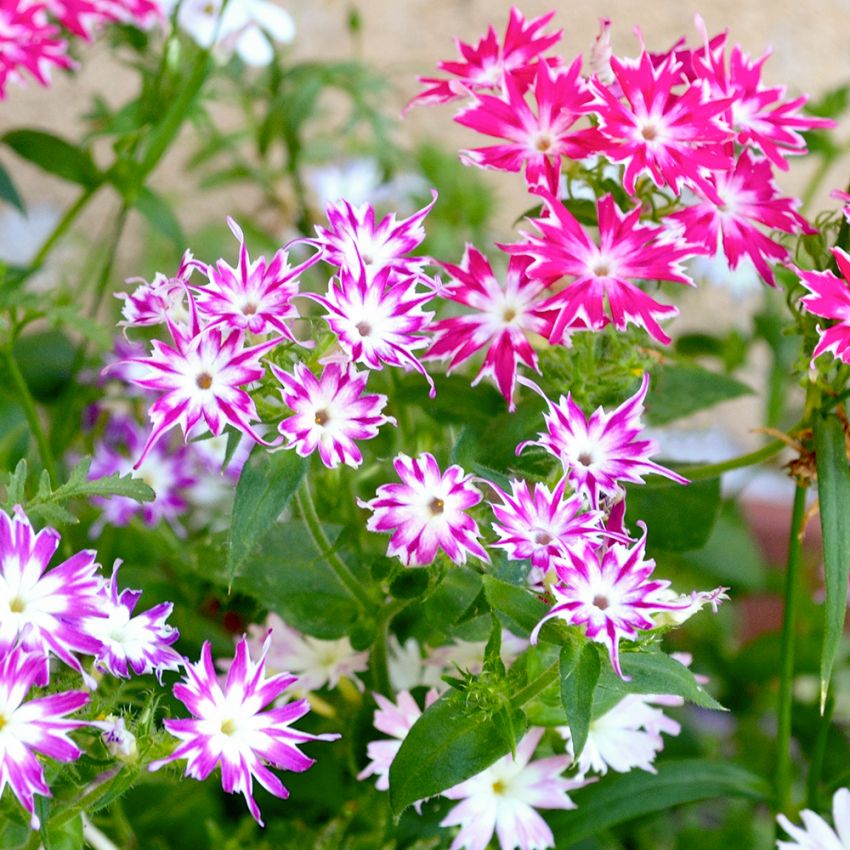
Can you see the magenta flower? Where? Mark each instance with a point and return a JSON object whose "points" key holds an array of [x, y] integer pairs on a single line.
{"points": [[602, 288], [229, 728], [830, 299], [139, 644], [608, 592], [598, 452], [747, 196], [28, 43], [669, 137], [427, 512], [505, 317], [485, 66], [504, 799], [541, 525], [43, 610], [29, 728], [536, 139], [255, 297], [330, 413], [378, 320], [83, 17], [201, 378], [354, 238]]}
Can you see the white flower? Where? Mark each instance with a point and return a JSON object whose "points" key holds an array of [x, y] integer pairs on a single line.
{"points": [[118, 740], [408, 669], [816, 833], [469, 655]]}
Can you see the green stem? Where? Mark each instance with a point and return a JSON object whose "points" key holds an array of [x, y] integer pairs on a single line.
{"points": [[28, 403], [80, 805], [712, 470], [536, 686], [818, 754], [307, 509], [62, 226], [815, 182], [786, 680]]}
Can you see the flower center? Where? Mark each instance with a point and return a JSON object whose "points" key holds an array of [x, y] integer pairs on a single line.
{"points": [[363, 328], [436, 506], [17, 605], [2, 722], [228, 727], [543, 538], [649, 132], [204, 380], [585, 459], [602, 269], [499, 787], [322, 417], [250, 309], [509, 315], [601, 601], [543, 143]]}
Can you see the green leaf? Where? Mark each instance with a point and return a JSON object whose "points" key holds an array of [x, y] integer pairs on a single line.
{"points": [[66, 836], [16, 484], [834, 499], [9, 193], [452, 597], [516, 607], [679, 390], [679, 517], [449, 743], [580, 669], [632, 795], [649, 672], [160, 216], [54, 155], [267, 483]]}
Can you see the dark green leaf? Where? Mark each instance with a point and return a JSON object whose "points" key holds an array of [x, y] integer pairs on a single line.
{"points": [[448, 743], [160, 216], [267, 483], [680, 390], [516, 607], [450, 600], [580, 669], [9, 193], [834, 499], [54, 155], [46, 359], [622, 798]]}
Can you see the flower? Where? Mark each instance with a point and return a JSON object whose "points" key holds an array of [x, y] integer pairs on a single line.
{"points": [[83, 17], [119, 741], [485, 66], [602, 290], [317, 663], [141, 644], [427, 512], [598, 452], [161, 300], [331, 412], [505, 317], [228, 726], [254, 297], [35, 727], [608, 591], [43, 610], [816, 833], [504, 798], [407, 668], [200, 377], [830, 299]]}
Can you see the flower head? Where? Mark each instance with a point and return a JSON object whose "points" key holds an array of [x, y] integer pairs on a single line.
{"points": [[161, 300], [38, 726], [83, 17], [229, 728], [330, 412], [830, 299], [427, 512], [816, 833]]}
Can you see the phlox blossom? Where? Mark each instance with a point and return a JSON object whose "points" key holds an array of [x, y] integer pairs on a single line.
{"points": [[830, 299], [816, 833], [84, 17], [229, 727]]}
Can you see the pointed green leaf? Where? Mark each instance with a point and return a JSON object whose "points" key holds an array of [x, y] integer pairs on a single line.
{"points": [[516, 606], [834, 499], [9, 193], [54, 155], [679, 390], [160, 216], [580, 669]]}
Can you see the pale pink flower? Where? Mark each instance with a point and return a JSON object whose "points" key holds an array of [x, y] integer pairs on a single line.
{"points": [[816, 833], [162, 300], [483, 67], [504, 318], [601, 289], [599, 451], [38, 726], [427, 512], [229, 727], [601, 53], [830, 299], [505, 797], [330, 412]]}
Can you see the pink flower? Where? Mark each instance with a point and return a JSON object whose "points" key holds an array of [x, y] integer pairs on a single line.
{"points": [[830, 299], [541, 525], [670, 137], [378, 320], [42, 610], [505, 317], [229, 728], [427, 512], [255, 297], [354, 238], [200, 378], [536, 139], [598, 452], [747, 195], [83, 17], [485, 66], [28, 43], [141, 643], [504, 799], [29, 728], [608, 591], [602, 289], [330, 413]]}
